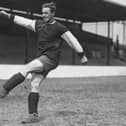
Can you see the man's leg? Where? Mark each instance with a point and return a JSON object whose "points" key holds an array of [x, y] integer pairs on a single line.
{"points": [[37, 79], [10, 84], [19, 77], [33, 99]]}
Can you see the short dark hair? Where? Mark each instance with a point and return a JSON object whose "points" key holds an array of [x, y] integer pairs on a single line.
{"points": [[50, 5]]}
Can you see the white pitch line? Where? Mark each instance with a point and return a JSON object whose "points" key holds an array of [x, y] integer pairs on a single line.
{"points": [[62, 71]]}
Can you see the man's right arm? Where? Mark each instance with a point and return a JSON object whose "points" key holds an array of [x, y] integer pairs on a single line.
{"points": [[25, 22]]}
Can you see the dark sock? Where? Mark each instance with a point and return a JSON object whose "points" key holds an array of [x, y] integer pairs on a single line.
{"points": [[13, 81], [33, 100]]}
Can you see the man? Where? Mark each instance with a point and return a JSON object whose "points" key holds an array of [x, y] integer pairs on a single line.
{"points": [[50, 34]]}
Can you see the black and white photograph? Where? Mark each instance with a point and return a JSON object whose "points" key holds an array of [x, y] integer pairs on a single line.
{"points": [[62, 62]]}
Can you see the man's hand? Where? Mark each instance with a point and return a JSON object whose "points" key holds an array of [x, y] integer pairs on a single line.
{"points": [[83, 57], [84, 60], [4, 14]]}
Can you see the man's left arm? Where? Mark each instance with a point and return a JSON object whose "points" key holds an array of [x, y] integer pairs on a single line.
{"points": [[73, 42]]}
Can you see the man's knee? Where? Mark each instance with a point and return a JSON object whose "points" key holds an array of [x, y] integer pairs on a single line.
{"points": [[25, 70], [34, 65], [35, 84]]}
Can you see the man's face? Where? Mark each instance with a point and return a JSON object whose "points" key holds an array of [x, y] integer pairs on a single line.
{"points": [[47, 14]]}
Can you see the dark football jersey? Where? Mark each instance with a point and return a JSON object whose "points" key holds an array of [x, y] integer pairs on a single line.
{"points": [[49, 38]]}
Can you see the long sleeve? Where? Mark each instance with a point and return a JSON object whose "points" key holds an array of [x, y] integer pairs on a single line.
{"points": [[25, 22], [72, 41]]}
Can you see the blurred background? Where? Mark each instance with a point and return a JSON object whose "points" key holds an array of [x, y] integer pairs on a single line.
{"points": [[99, 25]]}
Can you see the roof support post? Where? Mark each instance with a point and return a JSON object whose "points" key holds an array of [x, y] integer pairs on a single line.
{"points": [[108, 45], [27, 45], [73, 52]]}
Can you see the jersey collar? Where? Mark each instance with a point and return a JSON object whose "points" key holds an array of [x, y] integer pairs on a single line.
{"points": [[53, 22]]}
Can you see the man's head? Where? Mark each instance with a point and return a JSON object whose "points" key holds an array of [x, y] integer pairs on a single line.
{"points": [[48, 11]]}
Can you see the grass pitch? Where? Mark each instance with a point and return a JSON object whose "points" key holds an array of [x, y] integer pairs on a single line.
{"points": [[99, 101]]}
